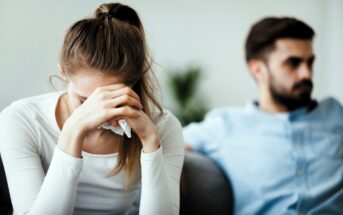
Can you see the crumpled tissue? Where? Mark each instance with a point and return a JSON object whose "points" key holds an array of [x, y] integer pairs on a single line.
{"points": [[124, 127]]}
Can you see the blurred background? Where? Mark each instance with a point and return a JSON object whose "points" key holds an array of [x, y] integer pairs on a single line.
{"points": [[195, 44]]}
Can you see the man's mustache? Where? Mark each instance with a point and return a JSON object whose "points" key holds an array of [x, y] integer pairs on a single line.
{"points": [[303, 84]]}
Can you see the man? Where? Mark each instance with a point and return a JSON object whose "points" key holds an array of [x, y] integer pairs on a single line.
{"points": [[283, 153]]}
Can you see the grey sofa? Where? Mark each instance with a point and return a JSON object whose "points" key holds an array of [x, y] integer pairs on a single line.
{"points": [[204, 189], [5, 201]]}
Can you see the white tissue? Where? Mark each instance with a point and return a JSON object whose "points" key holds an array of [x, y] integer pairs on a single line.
{"points": [[124, 128]]}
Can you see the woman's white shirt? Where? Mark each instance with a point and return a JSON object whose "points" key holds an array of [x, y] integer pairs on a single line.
{"points": [[42, 179]]}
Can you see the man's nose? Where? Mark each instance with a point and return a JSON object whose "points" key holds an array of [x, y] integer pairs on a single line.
{"points": [[305, 72]]}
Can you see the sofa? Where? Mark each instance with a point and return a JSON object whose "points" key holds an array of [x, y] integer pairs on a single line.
{"points": [[5, 201]]}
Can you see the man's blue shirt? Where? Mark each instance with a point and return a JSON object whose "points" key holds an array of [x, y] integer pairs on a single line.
{"points": [[288, 163]]}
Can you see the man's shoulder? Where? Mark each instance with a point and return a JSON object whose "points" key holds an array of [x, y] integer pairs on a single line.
{"points": [[331, 106], [226, 111], [329, 101], [226, 116]]}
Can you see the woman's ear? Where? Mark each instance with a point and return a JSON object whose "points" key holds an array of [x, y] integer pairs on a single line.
{"points": [[62, 73]]}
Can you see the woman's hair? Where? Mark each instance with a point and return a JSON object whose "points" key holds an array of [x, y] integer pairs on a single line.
{"points": [[112, 41]]}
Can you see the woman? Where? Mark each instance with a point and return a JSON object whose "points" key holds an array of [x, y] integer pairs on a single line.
{"points": [[57, 156]]}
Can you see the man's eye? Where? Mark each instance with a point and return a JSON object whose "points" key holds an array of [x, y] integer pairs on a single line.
{"points": [[310, 63], [293, 62], [82, 100]]}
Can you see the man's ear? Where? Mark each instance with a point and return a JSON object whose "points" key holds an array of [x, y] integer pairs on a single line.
{"points": [[257, 69]]}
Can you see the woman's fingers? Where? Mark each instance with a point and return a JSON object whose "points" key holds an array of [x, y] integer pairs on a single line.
{"points": [[108, 103], [123, 112], [115, 90], [121, 91], [124, 100], [114, 123], [111, 87]]}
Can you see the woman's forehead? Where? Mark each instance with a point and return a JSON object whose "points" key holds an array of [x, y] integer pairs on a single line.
{"points": [[84, 81]]}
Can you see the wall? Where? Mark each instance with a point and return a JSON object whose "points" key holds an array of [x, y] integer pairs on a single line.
{"points": [[206, 33]]}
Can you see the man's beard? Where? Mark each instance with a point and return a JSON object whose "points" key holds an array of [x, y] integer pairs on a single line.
{"points": [[289, 101]]}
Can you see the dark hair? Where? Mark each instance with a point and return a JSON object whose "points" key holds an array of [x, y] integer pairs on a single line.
{"points": [[263, 34], [113, 41]]}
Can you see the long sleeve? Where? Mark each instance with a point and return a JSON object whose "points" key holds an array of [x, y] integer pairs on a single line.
{"points": [[161, 171], [33, 192]]}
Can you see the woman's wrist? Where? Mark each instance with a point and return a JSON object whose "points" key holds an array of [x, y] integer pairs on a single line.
{"points": [[73, 125], [71, 139], [151, 142]]}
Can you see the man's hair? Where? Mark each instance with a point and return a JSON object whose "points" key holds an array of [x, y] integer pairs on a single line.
{"points": [[263, 34]]}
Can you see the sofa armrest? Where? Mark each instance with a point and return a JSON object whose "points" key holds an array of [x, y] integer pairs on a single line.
{"points": [[204, 188], [5, 200]]}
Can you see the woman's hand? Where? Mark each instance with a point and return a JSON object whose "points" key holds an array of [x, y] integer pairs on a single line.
{"points": [[104, 104], [144, 128], [111, 103]]}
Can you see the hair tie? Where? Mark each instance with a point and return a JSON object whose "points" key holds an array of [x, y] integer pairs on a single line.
{"points": [[106, 14]]}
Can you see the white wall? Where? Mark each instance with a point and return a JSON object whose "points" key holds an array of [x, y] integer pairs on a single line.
{"points": [[206, 33], [334, 25]]}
